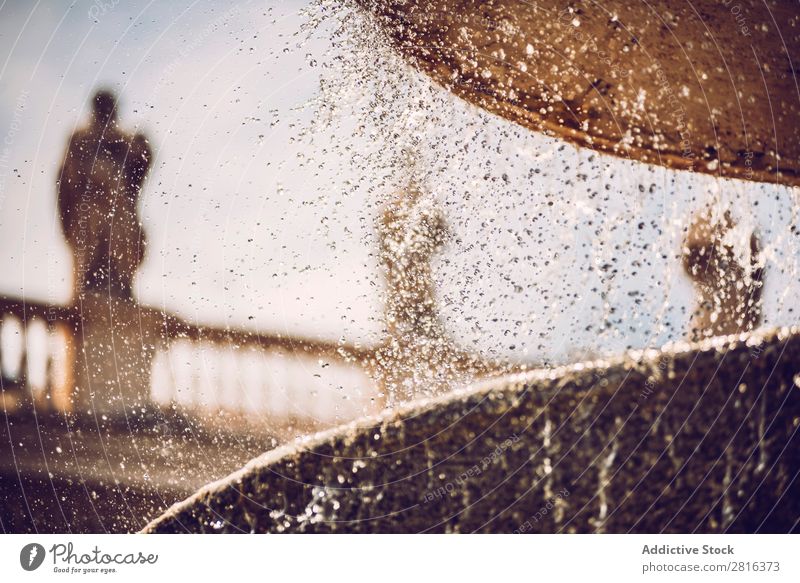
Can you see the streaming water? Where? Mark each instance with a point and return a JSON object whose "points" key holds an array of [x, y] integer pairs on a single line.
{"points": [[552, 253]]}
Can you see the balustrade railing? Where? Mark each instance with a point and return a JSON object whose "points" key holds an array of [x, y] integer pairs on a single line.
{"points": [[275, 377], [36, 353], [267, 378]]}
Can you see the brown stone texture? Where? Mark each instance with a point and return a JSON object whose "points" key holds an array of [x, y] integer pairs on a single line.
{"points": [[708, 85], [692, 438]]}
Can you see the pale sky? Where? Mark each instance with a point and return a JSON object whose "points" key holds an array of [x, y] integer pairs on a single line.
{"points": [[257, 217]]}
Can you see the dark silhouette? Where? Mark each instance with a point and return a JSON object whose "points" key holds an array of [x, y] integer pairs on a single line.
{"points": [[729, 293], [98, 190]]}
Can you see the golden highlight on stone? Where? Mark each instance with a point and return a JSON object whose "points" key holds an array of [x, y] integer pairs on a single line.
{"points": [[708, 86]]}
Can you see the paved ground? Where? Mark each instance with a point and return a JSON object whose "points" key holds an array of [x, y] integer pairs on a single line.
{"points": [[59, 475]]}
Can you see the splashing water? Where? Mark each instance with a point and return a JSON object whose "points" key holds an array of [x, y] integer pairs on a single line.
{"points": [[554, 253]]}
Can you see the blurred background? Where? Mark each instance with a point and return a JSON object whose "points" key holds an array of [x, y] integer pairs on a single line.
{"points": [[276, 141], [279, 131]]}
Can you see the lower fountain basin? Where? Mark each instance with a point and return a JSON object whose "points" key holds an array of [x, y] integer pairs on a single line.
{"points": [[692, 438]]}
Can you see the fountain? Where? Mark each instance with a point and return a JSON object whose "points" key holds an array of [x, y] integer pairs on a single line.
{"points": [[691, 437]]}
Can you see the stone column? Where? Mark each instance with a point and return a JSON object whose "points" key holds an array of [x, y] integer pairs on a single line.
{"points": [[113, 357]]}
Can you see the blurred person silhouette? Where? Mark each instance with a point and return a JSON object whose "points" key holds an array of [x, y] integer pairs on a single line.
{"points": [[98, 190], [728, 284]]}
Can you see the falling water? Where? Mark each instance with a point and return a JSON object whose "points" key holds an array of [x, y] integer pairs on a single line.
{"points": [[554, 253]]}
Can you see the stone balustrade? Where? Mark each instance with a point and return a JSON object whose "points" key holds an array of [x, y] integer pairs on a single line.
{"points": [[114, 357]]}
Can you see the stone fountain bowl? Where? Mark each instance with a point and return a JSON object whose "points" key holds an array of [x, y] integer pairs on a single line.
{"points": [[705, 86], [693, 438]]}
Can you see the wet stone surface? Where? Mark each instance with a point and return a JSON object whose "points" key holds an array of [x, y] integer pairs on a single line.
{"points": [[614, 77], [65, 474], [699, 438]]}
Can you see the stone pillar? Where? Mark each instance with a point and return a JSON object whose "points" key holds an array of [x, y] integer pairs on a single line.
{"points": [[113, 356]]}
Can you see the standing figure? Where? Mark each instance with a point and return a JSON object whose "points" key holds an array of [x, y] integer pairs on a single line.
{"points": [[729, 293], [98, 190], [418, 358]]}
